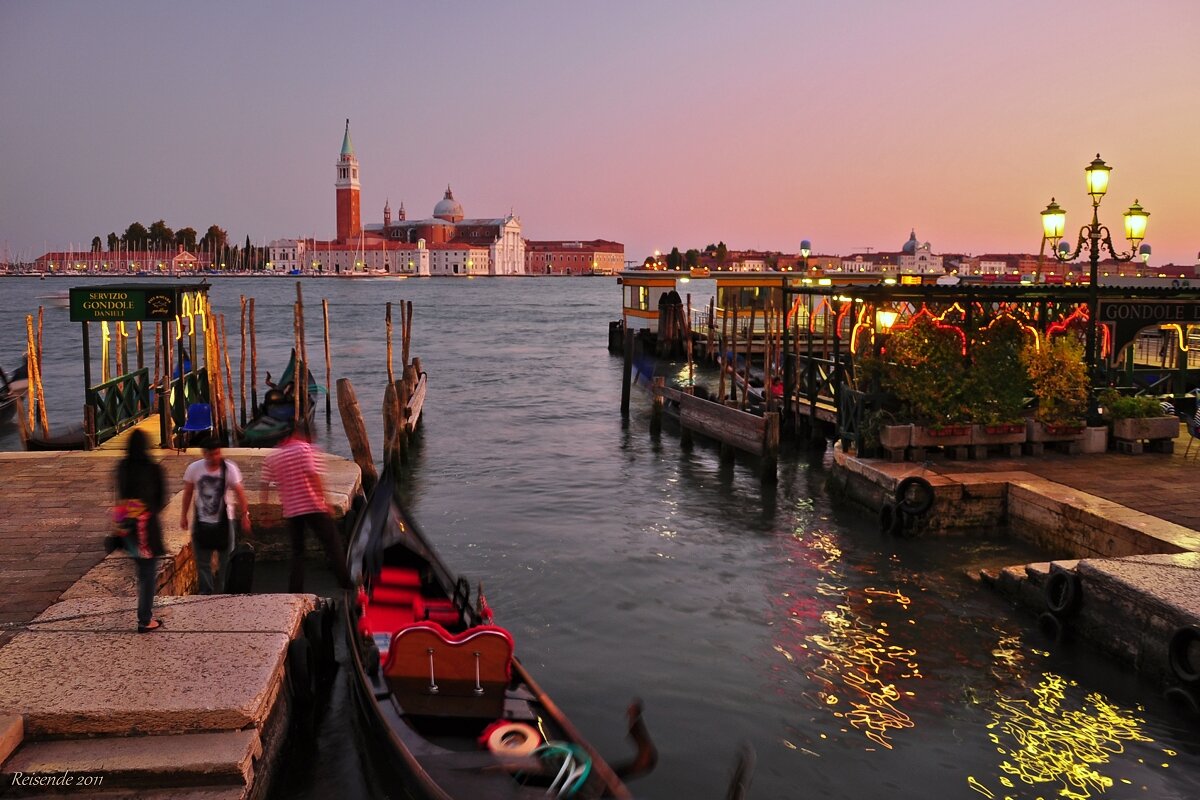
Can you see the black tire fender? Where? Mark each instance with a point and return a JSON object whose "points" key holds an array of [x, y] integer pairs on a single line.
{"points": [[890, 518], [914, 496], [300, 673], [1062, 591], [1183, 653], [1050, 626], [1182, 699]]}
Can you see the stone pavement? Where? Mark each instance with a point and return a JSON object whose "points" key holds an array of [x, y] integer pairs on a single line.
{"points": [[1159, 484], [56, 511]]}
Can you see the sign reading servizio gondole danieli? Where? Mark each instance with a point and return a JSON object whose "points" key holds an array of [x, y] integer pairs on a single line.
{"points": [[121, 304]]}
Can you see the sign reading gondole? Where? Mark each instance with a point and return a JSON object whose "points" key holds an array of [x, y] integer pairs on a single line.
{"points": [[1127, 317], [121, 304]]}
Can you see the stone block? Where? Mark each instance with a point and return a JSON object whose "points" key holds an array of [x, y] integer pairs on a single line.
{"points": [[12, 731]]}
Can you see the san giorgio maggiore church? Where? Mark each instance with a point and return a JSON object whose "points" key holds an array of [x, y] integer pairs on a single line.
{"points": [[446, 243]]}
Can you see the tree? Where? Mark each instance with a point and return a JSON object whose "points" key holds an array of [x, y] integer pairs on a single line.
{"points": [[186, 237], [649, 263], [114, 241], [214, 239], [674, 259], [160, 234], [136, 236], [722, 252], [96, 244], [692, 257]]}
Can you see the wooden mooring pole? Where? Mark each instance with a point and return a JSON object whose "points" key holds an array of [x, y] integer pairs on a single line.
{"points": [[328, 362], [356, 433], [253, 364], [656, 410], [242, 366], [626, 375]]}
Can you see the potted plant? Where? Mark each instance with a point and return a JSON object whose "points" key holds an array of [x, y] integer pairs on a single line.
{"points": [[1059, 381], [1136, 419], [927, 374], [997, 384]]}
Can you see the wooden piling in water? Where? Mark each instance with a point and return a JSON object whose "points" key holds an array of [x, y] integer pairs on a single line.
{"points": [[749, 357], [301, 382], [356, 432], [253, 364], [328, 361], [298, 362], [234, 431], [406, 342], [770, 456], [242, 365], [390, 414], [403, 393], [626, 375], [656, 409], [387, 323]]}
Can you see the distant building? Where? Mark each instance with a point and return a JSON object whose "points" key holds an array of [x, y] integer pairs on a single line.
{"points": [[557, 257], [125, 261]]}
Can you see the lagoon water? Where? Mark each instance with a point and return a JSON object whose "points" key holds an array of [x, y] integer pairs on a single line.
{"points": [[857, 666]]}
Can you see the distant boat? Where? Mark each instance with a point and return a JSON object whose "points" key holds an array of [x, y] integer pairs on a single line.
{"points": [[55, 299]]}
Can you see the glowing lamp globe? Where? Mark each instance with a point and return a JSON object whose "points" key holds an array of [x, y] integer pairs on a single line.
{"points": [[1135, 223], [1054, 220], [1097, 179]]}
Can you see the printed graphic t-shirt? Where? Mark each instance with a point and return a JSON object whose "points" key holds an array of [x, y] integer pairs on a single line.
{"points": [[207, 485]]}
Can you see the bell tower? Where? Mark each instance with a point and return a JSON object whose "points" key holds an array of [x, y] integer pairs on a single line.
{"points": [[349, 223]]}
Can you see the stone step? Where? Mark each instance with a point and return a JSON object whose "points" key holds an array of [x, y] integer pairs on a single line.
{"points": [[217, 761], [12, 731]]}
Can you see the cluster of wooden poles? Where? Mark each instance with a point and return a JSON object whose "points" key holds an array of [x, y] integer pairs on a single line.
{"points": [[403, 399], [772, 348], [35, 415]]}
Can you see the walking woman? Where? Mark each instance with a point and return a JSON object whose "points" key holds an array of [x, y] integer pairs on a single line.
{"points": [[141, 495]]}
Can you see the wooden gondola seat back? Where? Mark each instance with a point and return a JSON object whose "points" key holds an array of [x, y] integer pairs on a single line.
{"points": [[434, 672]]}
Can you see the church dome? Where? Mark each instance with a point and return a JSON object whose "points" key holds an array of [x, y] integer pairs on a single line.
{"points": [[448, 208], [911, 245]]}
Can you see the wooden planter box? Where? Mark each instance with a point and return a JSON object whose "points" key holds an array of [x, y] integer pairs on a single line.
{"points": [[1008, 438], [1159, 431]]}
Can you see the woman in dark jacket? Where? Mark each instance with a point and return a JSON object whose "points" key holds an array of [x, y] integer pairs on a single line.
{"points": [[141, 495]]}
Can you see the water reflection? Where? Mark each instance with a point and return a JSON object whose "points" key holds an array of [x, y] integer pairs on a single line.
{"points": [[865, 677], [1053, 740]]}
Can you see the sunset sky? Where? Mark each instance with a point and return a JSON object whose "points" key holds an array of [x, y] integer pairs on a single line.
{"points": [[656, 124]]}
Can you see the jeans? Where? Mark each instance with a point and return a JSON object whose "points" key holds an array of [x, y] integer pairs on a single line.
{"points": [[147, 582], [204, 574], [322, 525]]}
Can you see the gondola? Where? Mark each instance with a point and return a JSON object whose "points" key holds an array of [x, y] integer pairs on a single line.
{"points": [[275, 418], [11, 387], [456, 715]]}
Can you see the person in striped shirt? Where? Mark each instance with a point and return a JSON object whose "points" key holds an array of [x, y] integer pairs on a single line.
{"points": [[294, 467]]}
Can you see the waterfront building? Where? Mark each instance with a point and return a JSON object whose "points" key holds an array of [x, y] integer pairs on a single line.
{"points": [[119, 262], [557, 257]]}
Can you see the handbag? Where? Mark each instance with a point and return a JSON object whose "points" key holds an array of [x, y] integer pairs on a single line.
{"points": [[125, 525]]}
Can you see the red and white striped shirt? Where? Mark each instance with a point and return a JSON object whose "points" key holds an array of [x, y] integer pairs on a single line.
{"points": [[293, 466]]}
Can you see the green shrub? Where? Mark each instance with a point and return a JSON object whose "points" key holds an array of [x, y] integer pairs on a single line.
{"points": [[1118, 406], [1058, 379], [997, 381], [926, 372]]}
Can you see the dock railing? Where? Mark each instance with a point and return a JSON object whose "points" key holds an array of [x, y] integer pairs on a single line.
{"points": [[120, 403]]}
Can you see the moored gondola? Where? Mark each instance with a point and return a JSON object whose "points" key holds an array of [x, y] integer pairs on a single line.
{"points": [[439, 687], [276, 416]]}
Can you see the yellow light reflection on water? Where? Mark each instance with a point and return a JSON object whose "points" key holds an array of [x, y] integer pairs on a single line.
{"points": [[866, 677], [1044, 743]]}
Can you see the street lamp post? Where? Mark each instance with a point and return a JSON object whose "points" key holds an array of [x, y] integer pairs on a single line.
{"points": [[1094, 234]]}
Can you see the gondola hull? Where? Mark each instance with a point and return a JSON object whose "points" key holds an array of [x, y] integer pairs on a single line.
{"points": [[431, 730]]}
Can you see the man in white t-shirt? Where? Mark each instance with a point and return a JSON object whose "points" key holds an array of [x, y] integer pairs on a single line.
{"points": [[209, 483]]}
